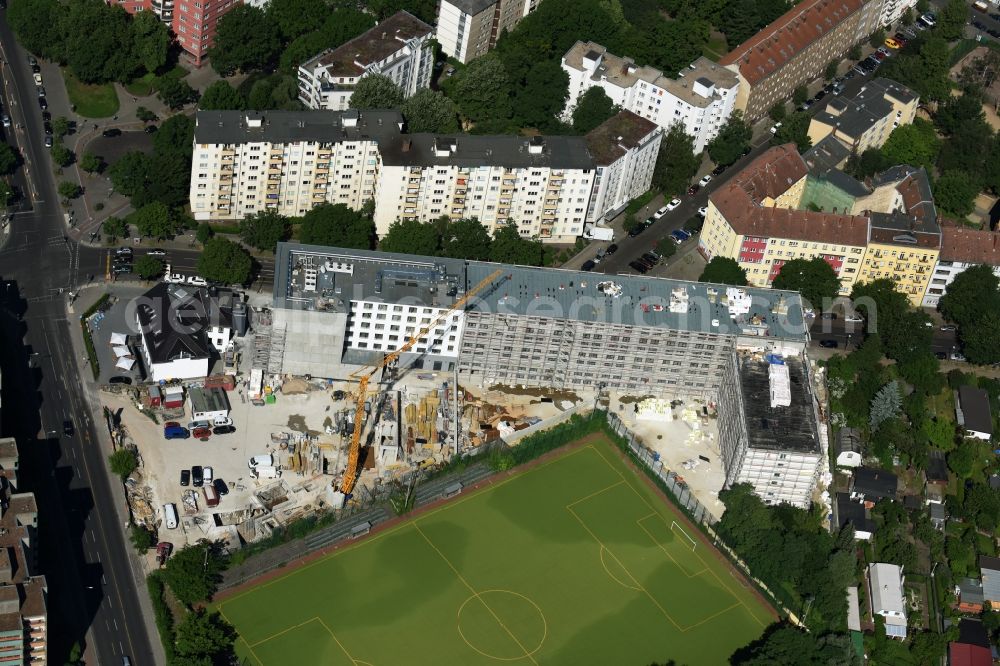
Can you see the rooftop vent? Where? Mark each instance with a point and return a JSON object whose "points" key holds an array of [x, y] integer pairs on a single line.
{"points": [[535, 145]]}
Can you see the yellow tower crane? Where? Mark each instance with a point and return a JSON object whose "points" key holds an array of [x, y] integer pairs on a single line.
{"points": [[365, 374]]}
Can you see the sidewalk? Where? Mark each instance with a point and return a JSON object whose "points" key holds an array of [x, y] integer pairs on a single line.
{"points": [[87, 297]]}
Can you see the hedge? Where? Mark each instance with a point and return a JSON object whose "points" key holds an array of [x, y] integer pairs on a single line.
{"points": [[161, 612], [88, 339]]}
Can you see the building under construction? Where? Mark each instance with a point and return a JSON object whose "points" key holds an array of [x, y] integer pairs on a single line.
{"points": [[338, 310]]}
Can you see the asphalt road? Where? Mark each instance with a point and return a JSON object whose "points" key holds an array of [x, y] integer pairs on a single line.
{"points": [[93, 591], [849, 335], [631, 248]]}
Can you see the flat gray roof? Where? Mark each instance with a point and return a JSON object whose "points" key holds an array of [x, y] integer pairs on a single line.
{"points": [[317, 126], [781, 428], [323, 278], [470, 150]]}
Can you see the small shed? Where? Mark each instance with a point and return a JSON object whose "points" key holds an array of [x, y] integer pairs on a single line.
{"points": [[173, 397], [208, 404], [939, 515], [155, 396], [853, 609], [853, 513], [972, 411], [849, 447]]}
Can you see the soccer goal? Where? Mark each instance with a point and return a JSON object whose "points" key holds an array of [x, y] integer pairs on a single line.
{"points": [[674, 527]]}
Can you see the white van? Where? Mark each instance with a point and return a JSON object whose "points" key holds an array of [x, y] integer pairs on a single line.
{"points": [[170, 516], [265, 472], [266, 460]]}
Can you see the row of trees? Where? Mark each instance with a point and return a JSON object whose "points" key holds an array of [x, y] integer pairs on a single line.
{"points": [[463, 239], [97, 41]]}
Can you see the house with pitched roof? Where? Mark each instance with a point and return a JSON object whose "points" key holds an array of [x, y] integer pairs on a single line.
{"points": [[961, 248], [866, 120], [796, 47], [886, 598], [972, 412]]}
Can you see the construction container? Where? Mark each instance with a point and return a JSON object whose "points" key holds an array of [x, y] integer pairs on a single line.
{"points": [[155, 396], [225, 382], [173, 397]]}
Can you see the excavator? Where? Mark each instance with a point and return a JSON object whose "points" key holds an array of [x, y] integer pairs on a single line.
{"points": [[364, 376]]}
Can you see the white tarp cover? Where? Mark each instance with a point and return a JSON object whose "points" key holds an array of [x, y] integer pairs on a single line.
{"points": [[125, 363], [122, 351], [119, 339]]}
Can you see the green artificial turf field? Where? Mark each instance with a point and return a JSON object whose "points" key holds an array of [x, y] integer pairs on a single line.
{"points": [[575, 561]]}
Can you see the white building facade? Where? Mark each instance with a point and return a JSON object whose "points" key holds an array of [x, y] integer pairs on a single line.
{"points": [[701, 99], [386, 327], [398, 48], [885, 583], [961, 249], [467, 29], [893, 10], [625, 149]]}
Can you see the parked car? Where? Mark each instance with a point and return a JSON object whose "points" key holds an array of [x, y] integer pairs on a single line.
{"points": [[941, 356], [829, 344], [156, 253], [636, 266], [957, 356], [717, 171], [6, 120], [703, 211], [197, 477], [611, 249], [223, 430], [202, 433], [32, 61], [652, 257], [38, 78], [853, 317], [48, 141], [674, 203], [120, 380], [693, 189], [175, 431], [893, 43], [221, 487], [208, 475], [705, 180], [68, 428], [150, 129], [819, 95], [660, 212], [46, 116], [185, 477], [43, 103], [111, 132], [588, 265], [123, 250], [679, 236], [637, 229], [829, 315], [775, 127], [806, 105], [948, 327]]}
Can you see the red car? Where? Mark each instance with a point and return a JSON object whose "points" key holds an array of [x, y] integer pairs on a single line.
{"points": [[171, 423], [202, 433]]}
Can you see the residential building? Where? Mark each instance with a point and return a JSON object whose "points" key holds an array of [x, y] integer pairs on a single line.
{"points": [[467, 29], [700, 98], [182, 329], [23, 593], [849, 447], [973, 647], [989, 570], [540, 184], [969, 593], [194, 24], [893, 10], [624, 149], [856, 515], [795, 48], [961, 248], [398, 48], [866, 120], [826, 155], [885, 598], [938, 515], [973, 413], [872, 485], [561, 330], [775, 210], [291, 161]]}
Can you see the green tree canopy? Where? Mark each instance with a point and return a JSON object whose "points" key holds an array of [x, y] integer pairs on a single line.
{"points": [[970, 295], [951, 19], [676, 163], [141, 538], [337, 225], [413, 237], [868, 163], [220, 96], [915, 144], [69, 190], [115, 227], [814, 278], [8, 159], [482, 90], [204, 232], [224, 261], [61, 155], [430, 111], [888, 314], [980, 339], [731, 141], [786, 644], [150, 40], [175, 92], [794, 129], [36, 24], [510, 248], [375, 91], [91, 163], [955, 192], [466, 239], [130, 173], [592, 109], [193, 572], [205, 637], [245, 39], [265, 229], [148, 267], [296, 17], [723, 270], [123, 462], [154, 220], [176, 136]]}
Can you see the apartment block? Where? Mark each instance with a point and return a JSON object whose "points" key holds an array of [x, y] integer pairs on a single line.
{"points": [[287, 161], [893, 10], [467, 29], [541, 184], [700, 98], [866, 120], [777, 209], [796, 48], [624, 149], [23, 613], [567, 330], [398, 48], [291, 161], [194, 23], [961, 248]]}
